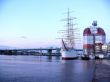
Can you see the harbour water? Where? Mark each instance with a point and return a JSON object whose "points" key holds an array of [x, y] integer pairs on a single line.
{"points": [[44, 69]]}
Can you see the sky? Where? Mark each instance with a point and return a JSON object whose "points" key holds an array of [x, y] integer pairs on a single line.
{"points": [[35, 23]]}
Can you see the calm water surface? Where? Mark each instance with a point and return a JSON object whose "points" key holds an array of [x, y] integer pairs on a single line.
{"points": [[44, 69]]}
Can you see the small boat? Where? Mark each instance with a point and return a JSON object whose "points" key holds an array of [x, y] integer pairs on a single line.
{"points": [[99, 56], [92, 57], [85, 57]]}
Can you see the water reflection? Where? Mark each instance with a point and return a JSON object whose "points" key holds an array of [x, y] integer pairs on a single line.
{"points": [[77, 71], [44, 69], [67, 71], [49, 58]]}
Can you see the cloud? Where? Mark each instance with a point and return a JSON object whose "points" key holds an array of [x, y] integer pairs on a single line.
{"points": [[23, 37]]}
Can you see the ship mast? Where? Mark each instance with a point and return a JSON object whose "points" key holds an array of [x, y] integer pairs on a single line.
{"points": [[69, 32]]}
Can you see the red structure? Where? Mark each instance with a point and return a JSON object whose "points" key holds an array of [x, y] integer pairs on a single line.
{"points": [[93, 38]]}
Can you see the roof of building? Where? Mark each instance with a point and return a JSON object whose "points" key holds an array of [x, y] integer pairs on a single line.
{"points": [[87, 31], [100, 31]]}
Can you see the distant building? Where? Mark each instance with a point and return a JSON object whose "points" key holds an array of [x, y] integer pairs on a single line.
{"points": [[106, 47], [93, 39]]}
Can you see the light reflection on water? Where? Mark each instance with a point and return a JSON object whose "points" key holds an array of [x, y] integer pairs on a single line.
{"points": [[19, 58], [44, 69]]}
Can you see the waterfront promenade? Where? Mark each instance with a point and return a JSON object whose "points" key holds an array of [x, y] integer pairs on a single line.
{"points": [[102, 72]]}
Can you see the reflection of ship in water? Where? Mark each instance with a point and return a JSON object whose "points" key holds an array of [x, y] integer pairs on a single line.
{"points": [[68, 40]]}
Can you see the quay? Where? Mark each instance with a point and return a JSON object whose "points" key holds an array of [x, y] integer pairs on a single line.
{"points": [[102, 71]]}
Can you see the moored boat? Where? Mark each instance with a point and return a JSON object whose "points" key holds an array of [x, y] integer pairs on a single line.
{"points": [[85, 57], [67, 50], [69, 54]]}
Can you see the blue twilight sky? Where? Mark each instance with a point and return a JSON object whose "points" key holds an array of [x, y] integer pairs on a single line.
{"points": [[35, 23]]}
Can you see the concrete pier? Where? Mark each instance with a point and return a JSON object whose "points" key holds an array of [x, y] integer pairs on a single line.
{"points": [[102, 72]]}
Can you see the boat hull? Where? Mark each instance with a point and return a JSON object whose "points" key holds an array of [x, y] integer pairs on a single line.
{"points": [[69, 55], [69, 58]]}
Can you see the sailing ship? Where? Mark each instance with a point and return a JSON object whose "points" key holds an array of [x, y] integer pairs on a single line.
{"points": [[68, 41]]}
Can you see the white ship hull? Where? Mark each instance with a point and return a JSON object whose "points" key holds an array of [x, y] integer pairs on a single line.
{"points": [[69, 54], [68, 42]]}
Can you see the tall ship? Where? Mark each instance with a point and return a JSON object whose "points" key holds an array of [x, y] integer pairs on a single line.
{"points": [[68, 40]]}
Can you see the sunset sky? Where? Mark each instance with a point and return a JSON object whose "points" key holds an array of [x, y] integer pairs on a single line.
{"points": [[35, 23]]}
